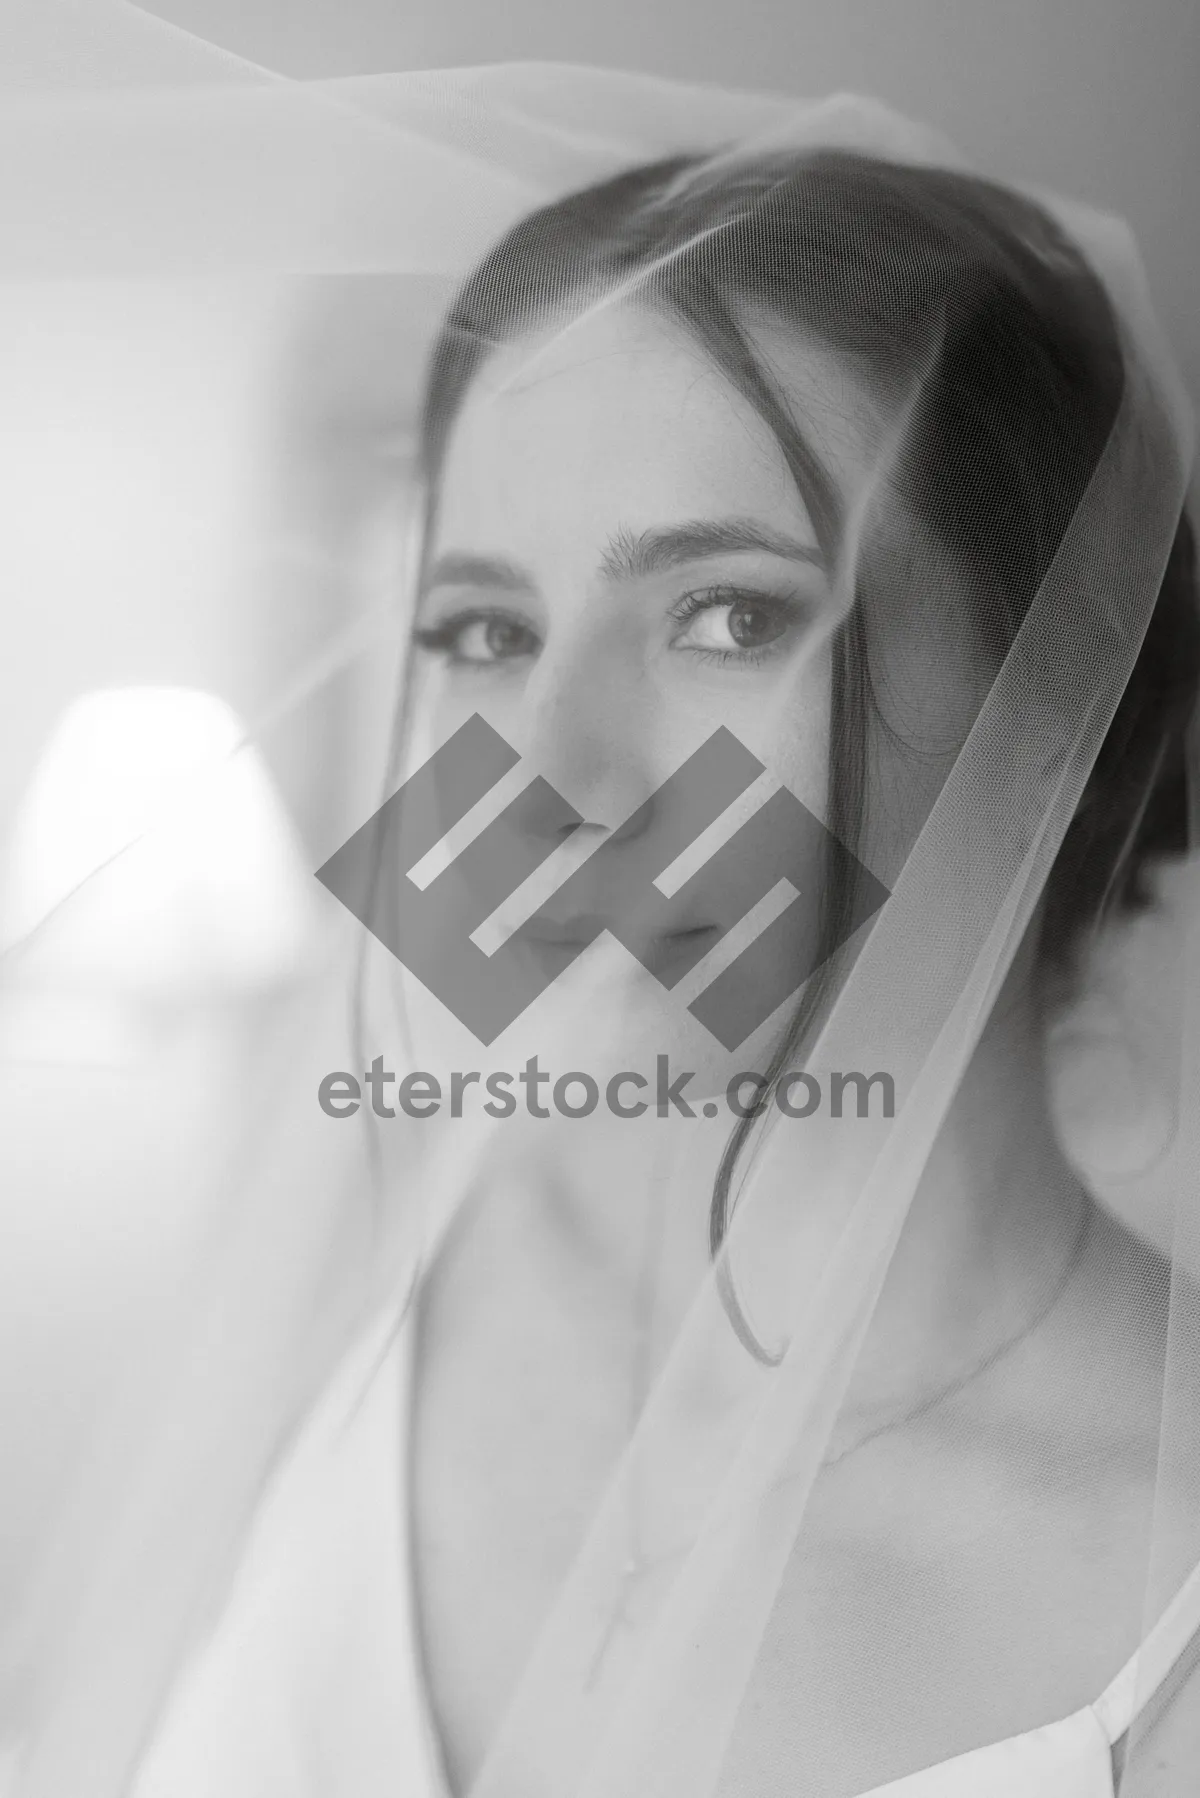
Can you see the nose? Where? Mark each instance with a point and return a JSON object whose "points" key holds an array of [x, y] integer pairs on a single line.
{"points": [[591, 719]]}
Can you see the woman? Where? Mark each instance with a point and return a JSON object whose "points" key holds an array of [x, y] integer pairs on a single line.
{"points": [[750, 1447], [658, 411]]}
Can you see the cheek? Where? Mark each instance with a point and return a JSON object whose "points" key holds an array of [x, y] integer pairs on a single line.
{"points": [[441, 699], [785, 722], [440, 706]]}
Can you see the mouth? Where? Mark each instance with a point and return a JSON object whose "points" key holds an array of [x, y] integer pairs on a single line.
{"points": [[562, 933], [676, 953], [668, 955]]}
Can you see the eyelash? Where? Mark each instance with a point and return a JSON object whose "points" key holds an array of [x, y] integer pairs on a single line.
{"points": [[440, 639], [711, 599]]}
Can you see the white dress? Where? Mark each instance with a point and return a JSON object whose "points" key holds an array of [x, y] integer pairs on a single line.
{"points": [[310, 1686]]}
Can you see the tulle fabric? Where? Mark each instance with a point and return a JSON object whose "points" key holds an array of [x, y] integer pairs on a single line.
{"points": [[139, 162]]}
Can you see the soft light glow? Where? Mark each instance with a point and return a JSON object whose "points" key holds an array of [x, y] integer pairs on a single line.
{"points": [[153, 857]]}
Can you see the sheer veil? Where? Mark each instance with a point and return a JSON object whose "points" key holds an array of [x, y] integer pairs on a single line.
{"points": [[344, 216]]}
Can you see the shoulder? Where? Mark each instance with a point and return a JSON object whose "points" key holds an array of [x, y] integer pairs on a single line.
{"points": [[1147, 1318], [1161, 1757]]}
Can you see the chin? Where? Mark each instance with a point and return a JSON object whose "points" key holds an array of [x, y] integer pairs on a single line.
{"points": [[602, 1015], [607, 1015]]}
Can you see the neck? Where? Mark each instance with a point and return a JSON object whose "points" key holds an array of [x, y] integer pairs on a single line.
{"points": [[988, 1237], [992, 1226]]}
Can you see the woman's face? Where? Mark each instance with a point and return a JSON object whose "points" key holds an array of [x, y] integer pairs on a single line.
{"points": [[621, 563]]}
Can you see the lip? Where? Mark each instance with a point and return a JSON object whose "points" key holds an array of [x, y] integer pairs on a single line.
{"points": [[563, 933], [675, 954], [686, 944]]}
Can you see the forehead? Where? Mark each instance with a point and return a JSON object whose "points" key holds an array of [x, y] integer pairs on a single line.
{"points": [[621, 413]]}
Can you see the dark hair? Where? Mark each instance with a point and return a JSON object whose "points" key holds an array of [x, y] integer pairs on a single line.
{"points": [[869, 256]]}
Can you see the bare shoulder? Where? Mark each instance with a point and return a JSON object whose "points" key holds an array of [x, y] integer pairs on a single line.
{"points": [[1147, 1347]]}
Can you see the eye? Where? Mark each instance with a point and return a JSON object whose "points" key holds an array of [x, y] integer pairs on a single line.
{"points": [[479, 639], [734, 625]]}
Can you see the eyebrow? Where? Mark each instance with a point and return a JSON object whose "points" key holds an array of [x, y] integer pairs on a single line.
{"points": [[630, 555]]}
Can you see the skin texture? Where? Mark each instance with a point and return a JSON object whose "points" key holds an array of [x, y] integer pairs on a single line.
{"points": [[564, 1279], [618, 693]]}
